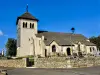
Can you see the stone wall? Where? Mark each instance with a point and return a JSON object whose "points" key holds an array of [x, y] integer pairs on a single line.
{"points": [[50, 62], [62, 62], [85, 62], [17, 63]]}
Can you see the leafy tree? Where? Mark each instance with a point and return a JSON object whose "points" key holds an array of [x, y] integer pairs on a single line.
{"points": [[11, 47], [95, 40], [73, 29]]}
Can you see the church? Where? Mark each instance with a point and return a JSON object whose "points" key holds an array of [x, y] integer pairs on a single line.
{"points": [[31, 41]]}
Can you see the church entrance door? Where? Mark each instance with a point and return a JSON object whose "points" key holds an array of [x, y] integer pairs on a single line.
{"points": [[68, 51], [45, 52]]}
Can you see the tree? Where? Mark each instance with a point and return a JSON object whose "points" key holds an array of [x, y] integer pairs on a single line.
{"points": [[11, 47], [73, 29], [95, 40]]}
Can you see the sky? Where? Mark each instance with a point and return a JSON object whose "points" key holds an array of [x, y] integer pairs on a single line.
{"points": [[53, 15]]}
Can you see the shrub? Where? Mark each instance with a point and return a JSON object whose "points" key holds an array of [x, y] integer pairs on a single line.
{"points": [[30, 56], [54, 54], [19, 57], [74, 55], [80, 54], [63, 55], [39, 56], [3, 58]]}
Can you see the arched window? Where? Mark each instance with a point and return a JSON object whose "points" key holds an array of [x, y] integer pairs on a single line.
{"points": [[93, 48], [53, 48], [68, 51], [90, 49], [24, 25], [31, 25], [45, 52]]}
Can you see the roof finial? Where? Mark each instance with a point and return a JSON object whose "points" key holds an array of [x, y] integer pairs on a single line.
{"points": [[27, 8]]}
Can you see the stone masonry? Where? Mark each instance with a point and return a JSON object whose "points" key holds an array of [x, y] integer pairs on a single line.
{"points": [[17, 63], [62, 62]]}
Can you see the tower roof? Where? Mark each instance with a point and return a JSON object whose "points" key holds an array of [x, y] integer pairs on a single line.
{"points": [[28, 16]]}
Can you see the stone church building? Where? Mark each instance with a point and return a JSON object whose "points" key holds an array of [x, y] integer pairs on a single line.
{"points": [[31, 41]]}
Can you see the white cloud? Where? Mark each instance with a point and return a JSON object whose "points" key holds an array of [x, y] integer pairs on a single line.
{"points": [[1, 33], [6, 35]]}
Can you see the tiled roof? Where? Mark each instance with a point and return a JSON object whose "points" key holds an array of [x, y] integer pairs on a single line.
{"points": [[64, 38], [26, 15]]}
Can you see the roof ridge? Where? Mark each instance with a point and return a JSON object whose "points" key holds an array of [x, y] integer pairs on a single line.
{"points": [[61, 32]]}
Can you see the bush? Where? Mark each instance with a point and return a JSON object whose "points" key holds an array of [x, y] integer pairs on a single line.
{"points": [[39, 56], [63, 55], [19, 58], [48, 55], [30, 56], [9, 58], [3, 58], [80, 54], [74, 55], [54, 54]]}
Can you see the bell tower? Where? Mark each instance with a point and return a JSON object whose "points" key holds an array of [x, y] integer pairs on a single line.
{"points": [[26, 28]]}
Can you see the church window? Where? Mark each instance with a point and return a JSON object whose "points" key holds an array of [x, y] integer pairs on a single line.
{"points": [[93, 48], [45, 38], [90, 49], [29, 39], [24, 25], [53, 48], [31, 25]]}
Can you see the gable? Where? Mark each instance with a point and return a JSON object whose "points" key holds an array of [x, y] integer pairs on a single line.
{"points": [[53, 43]]}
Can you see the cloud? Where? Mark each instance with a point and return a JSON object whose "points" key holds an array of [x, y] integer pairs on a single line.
{"points": [[6, 35], [1, 33]]}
